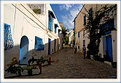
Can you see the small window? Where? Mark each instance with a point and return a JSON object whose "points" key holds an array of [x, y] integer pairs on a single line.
{"points": [[56, 25], [78, 34], [84, 19], [83, 42], [83, 33], [39, 43]]}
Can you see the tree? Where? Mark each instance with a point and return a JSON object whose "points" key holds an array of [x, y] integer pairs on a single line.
{"points": [[65, 37], [94, 28]]}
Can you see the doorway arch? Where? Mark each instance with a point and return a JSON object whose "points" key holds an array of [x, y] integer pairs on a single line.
{"points": [[23, 52]]}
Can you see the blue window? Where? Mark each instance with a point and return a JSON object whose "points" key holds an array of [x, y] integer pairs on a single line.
{"points": [[39, 43], [56, 28], [107, 27], [83, 42], [50, 22], [59, 32], [51, 16], [78, 34], [8, 41], [85, 20]]}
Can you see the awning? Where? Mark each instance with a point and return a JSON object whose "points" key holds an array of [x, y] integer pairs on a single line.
{"points": [[50, 12]]}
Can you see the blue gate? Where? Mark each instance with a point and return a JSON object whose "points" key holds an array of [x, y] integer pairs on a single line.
{"points": [[23, 52], [109, 47], [49, 46]]}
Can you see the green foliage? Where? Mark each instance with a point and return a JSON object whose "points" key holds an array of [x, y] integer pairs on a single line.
{"points": [[14, 69], [42, 60], [94, 29], [37, 11], [65, 37], [32, 60]]}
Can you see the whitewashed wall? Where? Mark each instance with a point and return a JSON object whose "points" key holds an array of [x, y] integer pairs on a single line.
{"points": [[24, 21]]}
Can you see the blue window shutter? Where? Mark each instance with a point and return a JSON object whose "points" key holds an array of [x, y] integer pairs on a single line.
{"points": [[55, 25], [39, 43], [55, 30], [8, 41], [50, 22]]}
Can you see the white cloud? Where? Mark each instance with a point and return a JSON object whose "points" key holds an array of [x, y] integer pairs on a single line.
{"points": [[66, 6], [68, 18], [75, 11], [67, 21]]}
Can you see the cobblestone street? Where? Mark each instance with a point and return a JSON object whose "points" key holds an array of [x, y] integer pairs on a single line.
{"points": [[65, 64]]}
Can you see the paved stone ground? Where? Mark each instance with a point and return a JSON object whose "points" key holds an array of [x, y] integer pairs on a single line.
{"points": [[65, 64]]}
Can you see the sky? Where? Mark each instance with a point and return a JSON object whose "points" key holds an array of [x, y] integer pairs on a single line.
{"points": [[66, 13]]}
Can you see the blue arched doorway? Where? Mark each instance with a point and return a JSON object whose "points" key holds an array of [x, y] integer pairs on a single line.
{"points": [[23, 52]]}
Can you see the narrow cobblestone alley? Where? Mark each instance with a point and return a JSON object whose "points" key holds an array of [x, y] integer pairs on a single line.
{"points": [[65, 64]]}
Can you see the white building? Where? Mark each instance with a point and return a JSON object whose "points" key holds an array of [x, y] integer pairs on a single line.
{"points": [[71, 37], [106, 32], [30, 30]]}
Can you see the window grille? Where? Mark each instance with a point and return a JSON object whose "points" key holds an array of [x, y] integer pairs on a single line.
{"points": [[8, 41]]}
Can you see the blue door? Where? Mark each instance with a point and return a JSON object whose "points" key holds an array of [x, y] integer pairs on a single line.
{"points": [[49, 46], [104, 46], [23, 52], [109, 47]]}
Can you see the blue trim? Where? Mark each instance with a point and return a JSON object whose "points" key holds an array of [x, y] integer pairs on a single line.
{"points": [[109, 47], [19, 55]]}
